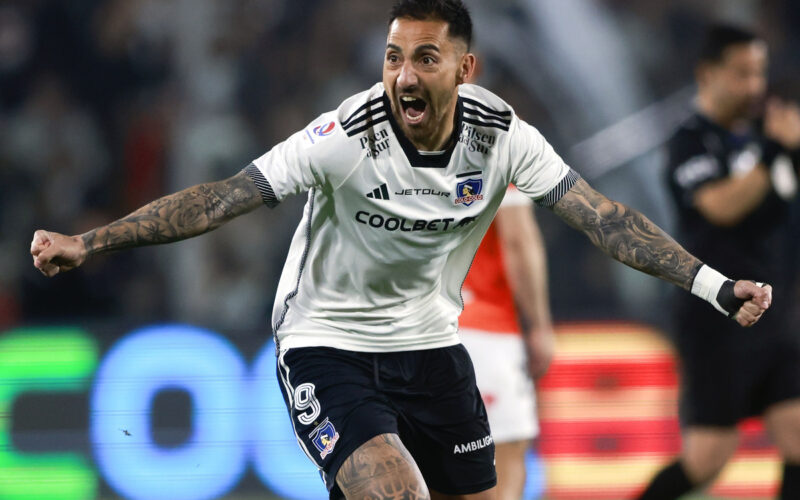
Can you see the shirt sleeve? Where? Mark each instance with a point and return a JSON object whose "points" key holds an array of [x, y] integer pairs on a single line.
{"points": [[514, 198], [298, 163], [690, 166], [537, 170]]}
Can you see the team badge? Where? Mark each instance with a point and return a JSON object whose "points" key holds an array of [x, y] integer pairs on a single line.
{"points": [[324, 130], [469, 191], [324, 437]]}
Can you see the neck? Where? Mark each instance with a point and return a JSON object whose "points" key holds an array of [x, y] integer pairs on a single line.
{"points": [[707, 107], [440, 139]]}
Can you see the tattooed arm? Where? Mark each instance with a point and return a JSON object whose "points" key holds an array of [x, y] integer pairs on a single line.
{"points": [[631, 238], [193, 211], [627, 235]]}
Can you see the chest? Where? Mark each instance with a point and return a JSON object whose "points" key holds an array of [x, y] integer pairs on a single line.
{"points": [[736, 155], [387, 185]]}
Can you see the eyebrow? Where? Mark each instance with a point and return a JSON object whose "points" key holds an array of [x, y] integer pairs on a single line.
{"points": [[427, 46], [421, 48]]}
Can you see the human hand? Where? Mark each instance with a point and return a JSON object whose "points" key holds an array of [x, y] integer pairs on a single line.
{"points": [[540, 346], [782, 123], [53, 252], [757, 299]]}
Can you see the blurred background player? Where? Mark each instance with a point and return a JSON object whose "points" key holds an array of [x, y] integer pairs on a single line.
{"points": [[734, 185], [507, 276]]}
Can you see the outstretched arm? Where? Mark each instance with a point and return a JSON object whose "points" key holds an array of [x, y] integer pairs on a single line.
{"points": [[631, 238], [191, 212], [627, 235]]}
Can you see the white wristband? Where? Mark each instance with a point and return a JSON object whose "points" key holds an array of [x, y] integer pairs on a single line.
{"points": [[706, 285]]}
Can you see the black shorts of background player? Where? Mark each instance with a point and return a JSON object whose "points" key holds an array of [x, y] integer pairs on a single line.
{"points": [[733, 186]]}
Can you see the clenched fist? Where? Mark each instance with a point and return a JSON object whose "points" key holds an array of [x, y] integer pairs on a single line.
{"points": [[757, 300], [54, 253]]}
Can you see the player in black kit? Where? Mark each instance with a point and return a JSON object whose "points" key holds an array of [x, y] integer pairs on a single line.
{"points": [[733, 186]]}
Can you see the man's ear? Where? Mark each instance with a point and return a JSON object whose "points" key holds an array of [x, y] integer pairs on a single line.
{"points": [[466, 71]]}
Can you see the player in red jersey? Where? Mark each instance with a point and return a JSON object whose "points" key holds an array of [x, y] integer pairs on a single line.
{"points": [[508, 279]]}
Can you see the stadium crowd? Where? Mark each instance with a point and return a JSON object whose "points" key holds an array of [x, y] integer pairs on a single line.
{"points": [[106, 104]]}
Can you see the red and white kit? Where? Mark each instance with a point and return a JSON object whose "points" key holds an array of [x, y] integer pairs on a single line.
{"points": [[489, 329]]}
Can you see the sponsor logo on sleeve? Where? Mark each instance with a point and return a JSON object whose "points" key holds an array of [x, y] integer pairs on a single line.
{"points": [[325, 130], [696, 170]]}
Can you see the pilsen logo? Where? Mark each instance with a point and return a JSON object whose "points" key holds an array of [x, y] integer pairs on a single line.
{"points": [[376, 143], [474, 140]]}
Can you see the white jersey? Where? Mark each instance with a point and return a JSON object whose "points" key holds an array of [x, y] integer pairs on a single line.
{"points": [[388, 233]]}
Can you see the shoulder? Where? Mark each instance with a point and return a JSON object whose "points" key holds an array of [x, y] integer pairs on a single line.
{"points": [[478, 98], [353, 114], [332, 143], [484, 108], [690, 137], [331, 131], [692, 154], [362, 110]]}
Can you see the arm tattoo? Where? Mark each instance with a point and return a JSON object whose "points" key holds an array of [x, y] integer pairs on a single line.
{"points": [[627, 235], [382, 469], [178, 216]]}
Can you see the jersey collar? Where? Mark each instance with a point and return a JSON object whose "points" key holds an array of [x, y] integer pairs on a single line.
{"points": [[416, 159]]}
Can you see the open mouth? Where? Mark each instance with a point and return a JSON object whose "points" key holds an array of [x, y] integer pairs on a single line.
{"points": [[413, 108]]}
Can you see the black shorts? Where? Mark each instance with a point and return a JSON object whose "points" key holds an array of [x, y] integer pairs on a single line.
{"points": [[340, 399], [730, 373]]}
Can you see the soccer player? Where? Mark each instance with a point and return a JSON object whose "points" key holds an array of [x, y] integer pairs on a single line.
{"points": [[509, 275], [402, 179], [732, 186]]}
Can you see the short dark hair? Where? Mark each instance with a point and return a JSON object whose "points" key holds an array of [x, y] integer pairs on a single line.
{"points": [[453, 12], [720, 37]]}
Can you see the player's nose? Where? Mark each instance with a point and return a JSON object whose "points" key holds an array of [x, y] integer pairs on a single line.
{"points": [[407, 79]]}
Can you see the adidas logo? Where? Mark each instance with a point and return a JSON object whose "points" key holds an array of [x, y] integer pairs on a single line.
{"points": [[379, 193]]}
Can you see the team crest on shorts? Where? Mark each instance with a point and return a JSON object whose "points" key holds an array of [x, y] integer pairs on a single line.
{"points": [[469, 191], [324, 437]]}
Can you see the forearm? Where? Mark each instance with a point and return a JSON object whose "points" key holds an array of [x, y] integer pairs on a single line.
{"points": [[193, 211], [728, 201], [525, 262], [530, 289], [627, 235]]}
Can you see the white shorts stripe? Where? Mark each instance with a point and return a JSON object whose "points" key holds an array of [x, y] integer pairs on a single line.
{"points": [[290, 392]]}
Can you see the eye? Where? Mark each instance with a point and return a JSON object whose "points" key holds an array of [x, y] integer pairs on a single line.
{"points": [[392, 58], [428, 60]]}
